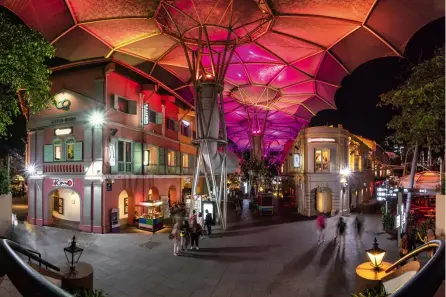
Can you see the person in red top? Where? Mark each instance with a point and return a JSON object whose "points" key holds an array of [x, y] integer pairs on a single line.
{"points": [[320, 226]]}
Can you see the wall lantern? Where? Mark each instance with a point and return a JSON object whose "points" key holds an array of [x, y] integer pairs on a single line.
{"points": [[376, 255], [73, 253]]}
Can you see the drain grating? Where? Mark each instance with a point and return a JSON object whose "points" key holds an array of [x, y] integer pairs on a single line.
{"points": [[150, 244]]}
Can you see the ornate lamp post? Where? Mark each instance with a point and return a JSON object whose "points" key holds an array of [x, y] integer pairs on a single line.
{"points": [[73, 253], [376, 255]]}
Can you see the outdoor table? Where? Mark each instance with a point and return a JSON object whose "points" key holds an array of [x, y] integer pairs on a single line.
{"points": [[367, 277], [80, 278]]}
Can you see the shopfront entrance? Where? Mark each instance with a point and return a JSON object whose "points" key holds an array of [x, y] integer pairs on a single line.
{"points": [[65, 207]]}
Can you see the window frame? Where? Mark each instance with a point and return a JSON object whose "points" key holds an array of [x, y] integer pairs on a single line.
{"points": [[124, 165], [59, 145], [69, 141], [322, 163]]}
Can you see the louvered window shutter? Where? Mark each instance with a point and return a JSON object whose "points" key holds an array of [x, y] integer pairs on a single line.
{"points": [[78, 151], [137, 157], [48, 153]]}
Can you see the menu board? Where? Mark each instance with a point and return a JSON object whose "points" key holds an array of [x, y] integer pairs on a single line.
{"points": [[165, 208]]}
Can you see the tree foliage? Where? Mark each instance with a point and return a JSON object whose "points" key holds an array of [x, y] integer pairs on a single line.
{"points": [[23, 54], [420, 105]]}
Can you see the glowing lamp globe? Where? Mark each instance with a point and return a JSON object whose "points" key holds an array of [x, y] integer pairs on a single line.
{"points": [[97, 118], [376, 255]]}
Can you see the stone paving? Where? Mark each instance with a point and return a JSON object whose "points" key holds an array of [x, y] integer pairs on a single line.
{"points": [[254, 257]]}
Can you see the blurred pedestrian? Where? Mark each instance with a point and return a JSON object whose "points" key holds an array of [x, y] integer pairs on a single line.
{"points": [[359, 225], [200, 221], [185, 235], [192, 216], [320, 226], [176, 239], [341, 230], [429, 237], [208, 221], [195, 231]]}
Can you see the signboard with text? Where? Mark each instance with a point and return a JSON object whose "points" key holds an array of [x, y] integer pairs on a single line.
{"points": [[62, 183], [145, 114]]}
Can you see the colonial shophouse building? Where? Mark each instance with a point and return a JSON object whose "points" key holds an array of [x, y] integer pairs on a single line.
{"points": [[112, 140], [331, 169]]}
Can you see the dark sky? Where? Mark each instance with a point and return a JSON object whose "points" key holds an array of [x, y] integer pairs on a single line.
{"points": [[356, 99]]}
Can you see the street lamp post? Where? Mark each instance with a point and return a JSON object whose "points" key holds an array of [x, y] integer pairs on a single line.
{"points": [[345, 174]]}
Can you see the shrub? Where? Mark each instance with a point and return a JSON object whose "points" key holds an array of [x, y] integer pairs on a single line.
{"points": [[4, 182]]}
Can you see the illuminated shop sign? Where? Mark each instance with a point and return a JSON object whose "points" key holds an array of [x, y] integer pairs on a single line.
{"points": [[62, 183], [185, 123], [310, 140], [63, 131], [296, 160], [63, 104], [111, 154], [145, 114]]}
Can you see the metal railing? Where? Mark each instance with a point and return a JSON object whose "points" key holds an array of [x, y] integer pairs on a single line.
{"points": [[27, 281], [429, 278]]}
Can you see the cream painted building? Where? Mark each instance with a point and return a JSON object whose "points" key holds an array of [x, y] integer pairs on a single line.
{"points": [[315, 161]]}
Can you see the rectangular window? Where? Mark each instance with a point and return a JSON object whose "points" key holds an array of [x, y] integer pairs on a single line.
{"points": [[70, 149], [171, 158], [146, 160], [124, 156], [322, 160], [185, 130], [124, 105], [152, 116], [172, 124], [185, 161], [57, 151]]}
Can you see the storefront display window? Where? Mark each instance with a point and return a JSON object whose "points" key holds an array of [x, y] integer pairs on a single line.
{"points": [[322, 160], [126, 205]]}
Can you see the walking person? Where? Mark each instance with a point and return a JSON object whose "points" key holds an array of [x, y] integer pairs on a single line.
{"points": [[341, 230], [195, 232], [429, 237], [200, 221], [320, 226], [176, 239], [192, 216], [359, 225], [208, 221], [185, 235]]}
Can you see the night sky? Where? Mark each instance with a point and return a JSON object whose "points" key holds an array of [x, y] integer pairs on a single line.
{"points": [[356, 99]]}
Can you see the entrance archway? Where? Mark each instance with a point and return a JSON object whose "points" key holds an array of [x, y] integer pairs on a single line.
{"points": [[153, 194], [172, 194], [65, 207], [123, 205]]}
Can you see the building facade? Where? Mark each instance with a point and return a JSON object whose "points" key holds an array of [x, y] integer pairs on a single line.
{"points": [[112, 140], [332, 170]]}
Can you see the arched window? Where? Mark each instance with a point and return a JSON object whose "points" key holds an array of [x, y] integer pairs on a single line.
{"points": [[69, 148]]}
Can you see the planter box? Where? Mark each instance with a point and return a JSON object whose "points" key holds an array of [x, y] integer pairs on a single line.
{"points": [[5, 214], [439, 215]]}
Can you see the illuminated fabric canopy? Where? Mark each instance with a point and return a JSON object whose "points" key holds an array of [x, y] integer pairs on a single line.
{"points": [[422, 180], [290, 59]]}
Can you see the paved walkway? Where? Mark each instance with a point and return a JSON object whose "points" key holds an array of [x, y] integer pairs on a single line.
{"points": [[255, 257]]}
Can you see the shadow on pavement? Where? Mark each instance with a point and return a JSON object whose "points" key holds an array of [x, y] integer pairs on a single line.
{"points": [[239, 249], [219, 258], [328, 253], [237, 233], [337, 277]]}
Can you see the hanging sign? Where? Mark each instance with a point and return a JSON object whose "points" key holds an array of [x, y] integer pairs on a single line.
{"points": [[63, 131], [145, 114], [62, 183], [111, 154], [296, 160]]}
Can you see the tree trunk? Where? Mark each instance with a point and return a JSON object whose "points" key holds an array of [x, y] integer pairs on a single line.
{"points": [[413, 170]]}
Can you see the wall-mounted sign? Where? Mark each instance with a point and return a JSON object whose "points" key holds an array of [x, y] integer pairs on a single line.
{"points": [[64, 120], [310, 140], [63, 131], [296, 160], [62, 183], [145, 114], [111, 154], [63, 104]]}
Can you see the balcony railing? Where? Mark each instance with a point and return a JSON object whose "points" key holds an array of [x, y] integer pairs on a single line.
{"points": [[155, 169], [187, 170], [64, 167], [163, 169], [173, 170]]}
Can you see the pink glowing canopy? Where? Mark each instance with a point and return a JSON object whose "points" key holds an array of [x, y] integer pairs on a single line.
{"points": [[290, 59]]}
